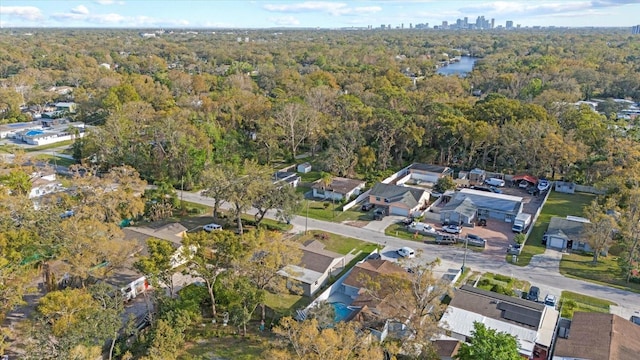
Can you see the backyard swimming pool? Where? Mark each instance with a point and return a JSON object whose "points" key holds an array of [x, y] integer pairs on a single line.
{"points": [[342, 311]]}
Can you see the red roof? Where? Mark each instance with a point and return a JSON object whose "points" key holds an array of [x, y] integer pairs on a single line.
{"points": [[529, 178]]}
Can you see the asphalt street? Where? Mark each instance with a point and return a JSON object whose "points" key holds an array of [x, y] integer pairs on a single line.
{"points": [[542, 271]]}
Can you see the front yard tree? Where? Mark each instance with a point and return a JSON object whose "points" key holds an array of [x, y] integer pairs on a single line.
{"points": [[210, 255], [158, 265], [271, 254], [599, 232], [248, 182], [489, 344], [283, 198], [216, 180]]}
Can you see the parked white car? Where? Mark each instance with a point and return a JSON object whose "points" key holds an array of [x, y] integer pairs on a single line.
{"points": [[406, 252], [452, 229], [212, 227], [495, 182]]}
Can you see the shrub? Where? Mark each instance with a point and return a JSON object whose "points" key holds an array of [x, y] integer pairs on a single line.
{"points": [[502, 278], [502, 290]]}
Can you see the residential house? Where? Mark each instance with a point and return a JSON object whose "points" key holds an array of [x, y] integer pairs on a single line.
{"points": [[172, 232], [532, 323], [597, 336], [316, 267], [467, 204], [43, 184], [285, 177], [399, 200], [340, 188], [429, 173], [367, 309], [566, 233], [9, 130], [304, 168], [52, 134]]}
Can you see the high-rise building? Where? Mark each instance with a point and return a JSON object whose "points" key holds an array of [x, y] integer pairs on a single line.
{"points": [[509, 24], [635, 29], [493, 23]]}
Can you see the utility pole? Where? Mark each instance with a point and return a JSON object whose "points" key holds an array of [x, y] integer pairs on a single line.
{"points": [[464, 259], [182, 192], [306, 219]]}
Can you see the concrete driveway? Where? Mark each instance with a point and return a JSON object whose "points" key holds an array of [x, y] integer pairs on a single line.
{"points": [[380, 225]]}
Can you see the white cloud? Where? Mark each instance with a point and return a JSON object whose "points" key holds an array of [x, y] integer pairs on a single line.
{"points": [[89, 18], [332, 8], [30, 13], [80, 9], [285, 21], [109, 2]]}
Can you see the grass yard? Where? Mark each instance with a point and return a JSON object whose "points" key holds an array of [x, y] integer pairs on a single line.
{"points": [[337, 243], [557, 204], [286, 304], [310, 177], [212, 341], [502, 284], [49, 146], [318, 210], [570, 302], [606, 272], [55, 160]]}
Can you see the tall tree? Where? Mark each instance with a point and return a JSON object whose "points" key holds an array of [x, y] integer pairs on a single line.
{"points": [[271, 254], [489, 344], [158, 265], [306, 340], [600, 231], [210, 255]]}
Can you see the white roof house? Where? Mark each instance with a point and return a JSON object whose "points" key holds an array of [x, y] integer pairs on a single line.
{"points": [[532, 323]]}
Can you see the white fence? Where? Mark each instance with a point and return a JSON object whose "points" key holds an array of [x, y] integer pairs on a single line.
{"points": [[353, 203]]}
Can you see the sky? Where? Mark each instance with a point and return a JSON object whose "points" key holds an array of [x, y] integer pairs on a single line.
{"points": [[311, 14]]}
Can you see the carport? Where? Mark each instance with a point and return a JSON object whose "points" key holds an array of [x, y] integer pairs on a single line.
{"points": [[528, 178]]}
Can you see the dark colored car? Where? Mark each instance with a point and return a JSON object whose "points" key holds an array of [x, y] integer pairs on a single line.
{"points": [[533, 294], [378, 214], [635, 319], [367, 207], [475, 240], [407, 221]]}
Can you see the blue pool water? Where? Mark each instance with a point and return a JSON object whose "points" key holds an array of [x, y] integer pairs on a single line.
{"points": [[34, 132], [342, 311]]}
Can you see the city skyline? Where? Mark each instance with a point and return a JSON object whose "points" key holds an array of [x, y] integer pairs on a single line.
{"points": [[312, 14]]}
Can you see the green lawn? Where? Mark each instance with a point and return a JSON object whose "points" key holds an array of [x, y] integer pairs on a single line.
{"points": [[606, 272], [49, 146], [502, 284], [336, 243], [213, 341], [55, 160], [570, 302], [286, 304], [310, 177], [324, 210], [558, 204]]}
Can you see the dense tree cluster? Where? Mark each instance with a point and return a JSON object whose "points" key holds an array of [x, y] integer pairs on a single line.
{"points": [[207, 111]]}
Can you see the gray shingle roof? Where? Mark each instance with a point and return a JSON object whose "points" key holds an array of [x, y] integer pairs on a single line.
{"points": [[394, 193]]}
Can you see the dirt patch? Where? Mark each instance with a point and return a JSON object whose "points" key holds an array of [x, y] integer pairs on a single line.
{"points": [[359, 224]]}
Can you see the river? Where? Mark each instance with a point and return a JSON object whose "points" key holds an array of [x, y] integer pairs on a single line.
{"points": [[460, 68]]}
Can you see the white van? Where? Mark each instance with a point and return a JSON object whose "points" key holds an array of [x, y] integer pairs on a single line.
{"points": [[406, 252], [494, 182]]}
